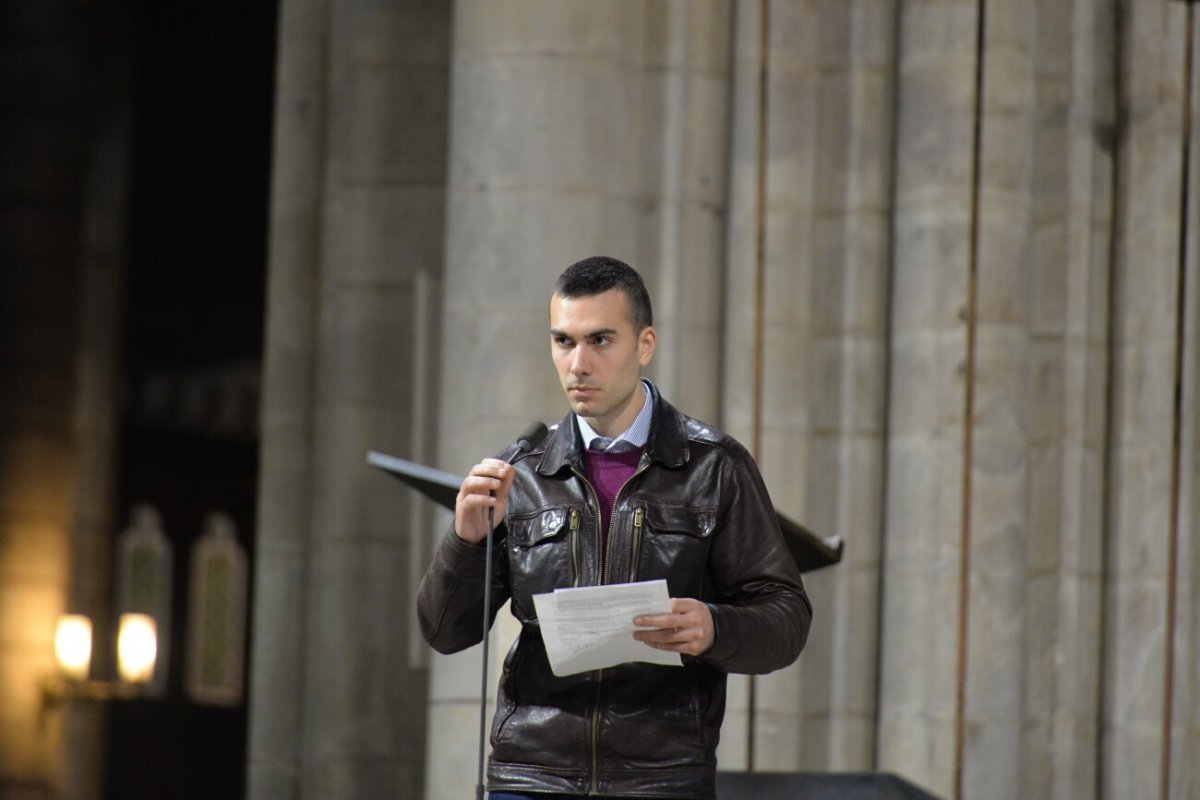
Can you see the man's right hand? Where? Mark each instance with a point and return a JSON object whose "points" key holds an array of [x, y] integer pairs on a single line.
{"points": [[475, 498]]}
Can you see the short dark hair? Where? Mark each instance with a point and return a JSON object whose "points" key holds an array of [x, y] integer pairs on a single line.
{"points": [[598, 274]]}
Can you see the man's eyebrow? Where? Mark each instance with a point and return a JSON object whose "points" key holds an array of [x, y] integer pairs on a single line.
{"points": [[555, 332]]}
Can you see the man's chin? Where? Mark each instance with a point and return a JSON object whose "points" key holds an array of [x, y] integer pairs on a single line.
{"points": [[588, 409], [581, 401]]}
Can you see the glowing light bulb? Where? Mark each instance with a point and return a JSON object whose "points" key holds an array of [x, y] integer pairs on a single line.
{"points": [[73, 646], [137, 648]]}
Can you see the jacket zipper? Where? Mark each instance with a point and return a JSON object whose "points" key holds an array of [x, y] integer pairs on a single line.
{"points": [[635, 548], [574, 546], [593, 781], [596, 503], [604, 576]]}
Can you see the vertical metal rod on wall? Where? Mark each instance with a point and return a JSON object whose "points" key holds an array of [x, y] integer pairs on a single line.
{"points": [[760, 250], [964, 578]]}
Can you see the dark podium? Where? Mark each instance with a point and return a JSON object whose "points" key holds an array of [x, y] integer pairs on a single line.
{"points": [[816, 786], [809, 550]]}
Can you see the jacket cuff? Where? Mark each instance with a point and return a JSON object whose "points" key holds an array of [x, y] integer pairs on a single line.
{"points": [[722, 647], [460, 551]]}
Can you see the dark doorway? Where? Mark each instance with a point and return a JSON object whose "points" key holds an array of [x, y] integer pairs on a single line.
{"points": [[192, 347]]}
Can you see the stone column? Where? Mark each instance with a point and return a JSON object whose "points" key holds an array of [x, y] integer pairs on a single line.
{"points": [[277, 692], [1183, 771], [812, 312], [577, 129], [998, 408], [848, 378], [739, 370], [926, 467], [1069, 320], [356, 236], [685, 111], [1145, 375], [768, 338]]}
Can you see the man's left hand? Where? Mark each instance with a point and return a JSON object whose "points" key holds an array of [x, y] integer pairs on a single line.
{"points": [[687, 629]]}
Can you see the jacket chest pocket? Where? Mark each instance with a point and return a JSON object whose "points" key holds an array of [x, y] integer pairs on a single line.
{"points": [[542, 550], [674, 545]]}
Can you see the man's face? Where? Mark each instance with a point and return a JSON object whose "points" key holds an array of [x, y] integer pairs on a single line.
{"points": [[599, 357]]}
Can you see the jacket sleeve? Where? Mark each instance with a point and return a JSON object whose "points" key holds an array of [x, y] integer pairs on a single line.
{"points": [[761, 613], [450, 597]]}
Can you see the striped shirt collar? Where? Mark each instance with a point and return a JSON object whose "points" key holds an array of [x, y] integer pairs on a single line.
{"points": [[636, 436]]}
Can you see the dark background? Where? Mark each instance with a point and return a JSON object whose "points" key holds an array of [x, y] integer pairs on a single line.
{"points": [[193, 301]]}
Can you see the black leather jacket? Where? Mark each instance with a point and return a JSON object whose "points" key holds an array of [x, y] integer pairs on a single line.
{"points": [[696, 513]]}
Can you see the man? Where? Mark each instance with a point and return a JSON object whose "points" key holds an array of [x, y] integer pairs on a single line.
{"points": [[626, 488]]}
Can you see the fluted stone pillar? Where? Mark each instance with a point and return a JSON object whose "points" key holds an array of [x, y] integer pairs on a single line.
{"points": [[767, 332], [820, 196], [1009, 668], [278, 641], [356, 237], [1183, 771], [1142, 433], [848, 383], [785, 347], [999, 407], [578, 129], [685, 111], [926, 459], [1068, 373], [741, 309]]}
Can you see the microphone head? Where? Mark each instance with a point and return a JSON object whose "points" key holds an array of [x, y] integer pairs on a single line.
{"points": [[532, 437]]}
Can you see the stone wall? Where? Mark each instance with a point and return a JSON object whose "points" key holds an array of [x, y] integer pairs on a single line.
{"points": [[355, 264], [933, 262]]}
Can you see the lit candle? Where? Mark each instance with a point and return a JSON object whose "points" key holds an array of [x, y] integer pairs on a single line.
{"points": [[137, 648], [73, 646]]}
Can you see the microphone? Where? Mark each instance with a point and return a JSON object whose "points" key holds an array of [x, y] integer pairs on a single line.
{"points": [[529, 439]]}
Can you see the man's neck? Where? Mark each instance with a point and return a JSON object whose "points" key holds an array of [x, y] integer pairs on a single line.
{"points": [[629, 417], [614, 428]]}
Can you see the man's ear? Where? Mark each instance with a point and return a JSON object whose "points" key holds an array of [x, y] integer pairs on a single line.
{"points": [[647, 342]]}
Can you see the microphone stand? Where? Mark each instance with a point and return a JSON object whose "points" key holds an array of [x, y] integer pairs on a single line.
{"points": [[483, 672], [528, 440]]}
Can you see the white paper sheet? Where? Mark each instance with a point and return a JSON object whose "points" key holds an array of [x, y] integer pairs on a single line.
{"points": [[591, 627]]}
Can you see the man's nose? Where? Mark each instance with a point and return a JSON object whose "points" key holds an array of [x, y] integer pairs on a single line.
{"points": [[580, 365]]}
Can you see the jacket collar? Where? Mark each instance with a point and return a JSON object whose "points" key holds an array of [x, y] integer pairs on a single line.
{"points": [[667, 444]]}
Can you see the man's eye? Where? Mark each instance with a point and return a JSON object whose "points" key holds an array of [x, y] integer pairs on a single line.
{"points": [[601, 341]]}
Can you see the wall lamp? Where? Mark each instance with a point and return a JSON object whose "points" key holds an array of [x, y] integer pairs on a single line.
{"points": [[137, 649]]}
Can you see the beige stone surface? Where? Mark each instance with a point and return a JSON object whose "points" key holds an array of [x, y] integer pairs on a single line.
{"points": [[999, 476], [358, 205], [630, 127], [1184, 770], [1145, 273], [925, 465]]}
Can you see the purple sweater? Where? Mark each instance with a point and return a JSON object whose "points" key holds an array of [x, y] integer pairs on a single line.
{"points": [[608, 472]]}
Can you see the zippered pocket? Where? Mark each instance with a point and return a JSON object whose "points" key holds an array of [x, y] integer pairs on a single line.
{"points": [[635, 547]]}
